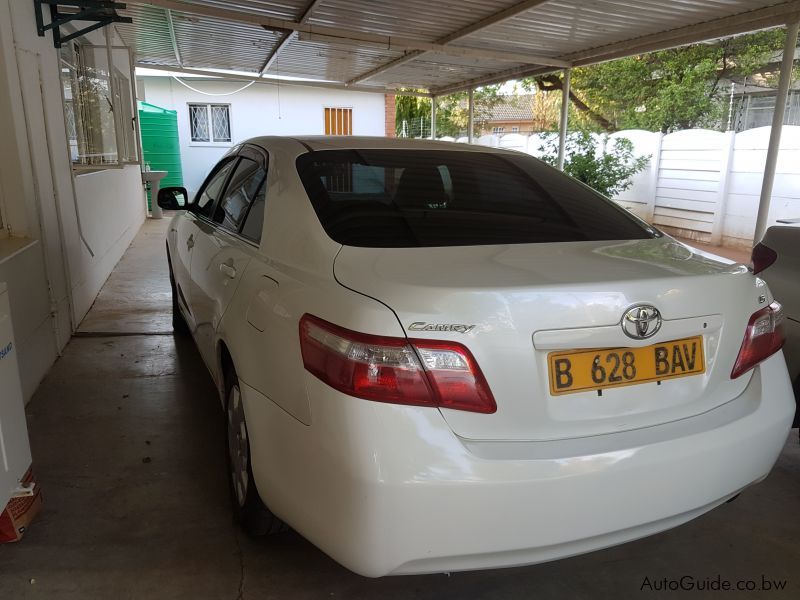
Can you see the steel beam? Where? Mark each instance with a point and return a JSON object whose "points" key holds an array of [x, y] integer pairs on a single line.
{"points": [[433, 117], [411, 46], [727, 26], [775, 132], [332, 85], [563, 122], [471, 119]]}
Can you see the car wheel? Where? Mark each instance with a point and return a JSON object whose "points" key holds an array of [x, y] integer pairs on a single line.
{"points": [[179, 325], [249, 510]]}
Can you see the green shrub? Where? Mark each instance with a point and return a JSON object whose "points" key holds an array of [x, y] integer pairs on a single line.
{"points": [[607, 168]]}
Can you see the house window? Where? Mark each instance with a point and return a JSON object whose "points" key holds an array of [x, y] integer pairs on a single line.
{"points": [[98, 105], [515, 130], [210, 122], [338, 121], [498, 129]]}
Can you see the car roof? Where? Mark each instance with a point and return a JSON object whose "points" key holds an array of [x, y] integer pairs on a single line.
{"points": [[347, 142]]}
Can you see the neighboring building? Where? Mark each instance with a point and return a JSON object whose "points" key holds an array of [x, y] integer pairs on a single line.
{"points": [[523, 113], [513, 114], [211, 120], [755, 106]]}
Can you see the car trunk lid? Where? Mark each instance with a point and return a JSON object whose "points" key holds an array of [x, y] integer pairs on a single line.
{"points": [[512, 305]]}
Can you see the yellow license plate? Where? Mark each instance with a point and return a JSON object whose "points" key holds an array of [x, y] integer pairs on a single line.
{"points": [[581, 370]]}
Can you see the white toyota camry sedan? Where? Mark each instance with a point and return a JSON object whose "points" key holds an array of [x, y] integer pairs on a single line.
{"points": [[436, 357]]}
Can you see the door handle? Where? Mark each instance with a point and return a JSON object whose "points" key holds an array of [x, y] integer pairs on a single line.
{"points": [[190, 242], [227, 270]]}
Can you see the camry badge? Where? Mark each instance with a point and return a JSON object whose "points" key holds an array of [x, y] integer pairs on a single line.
{"points": [[457, 327], [641, 322]]}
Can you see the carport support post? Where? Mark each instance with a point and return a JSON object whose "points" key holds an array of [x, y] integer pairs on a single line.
{"points": [[775, 132], [562, 124], [433, 117], [471, 119]]}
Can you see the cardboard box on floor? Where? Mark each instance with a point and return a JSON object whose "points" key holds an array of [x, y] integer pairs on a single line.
{"points": [[20, 511]]}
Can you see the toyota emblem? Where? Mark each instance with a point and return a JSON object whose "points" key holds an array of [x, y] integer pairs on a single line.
{"points": [[641, 322]]}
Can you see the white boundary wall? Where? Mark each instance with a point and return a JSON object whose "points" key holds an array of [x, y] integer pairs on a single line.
{"points": [[700, 184]]}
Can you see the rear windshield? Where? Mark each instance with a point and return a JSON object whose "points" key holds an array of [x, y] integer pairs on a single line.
{"points": [[421, 198]]}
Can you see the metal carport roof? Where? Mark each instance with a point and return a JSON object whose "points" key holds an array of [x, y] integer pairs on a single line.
{"points": [[440, 46]]}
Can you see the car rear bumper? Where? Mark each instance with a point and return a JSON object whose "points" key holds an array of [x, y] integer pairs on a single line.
{"points": [[387, 489]]}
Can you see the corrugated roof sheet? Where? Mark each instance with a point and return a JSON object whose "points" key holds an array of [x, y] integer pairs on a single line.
{"points": [[372, 43]]}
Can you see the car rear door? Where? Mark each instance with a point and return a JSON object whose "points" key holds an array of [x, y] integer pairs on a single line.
{"points": [[222, 253]]}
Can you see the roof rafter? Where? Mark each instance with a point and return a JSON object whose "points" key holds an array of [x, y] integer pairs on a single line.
{"points": [[172, 38], [493, 19], [287, 37]]}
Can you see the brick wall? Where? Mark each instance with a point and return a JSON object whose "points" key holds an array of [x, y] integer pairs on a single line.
{"points": [[390, 115]]}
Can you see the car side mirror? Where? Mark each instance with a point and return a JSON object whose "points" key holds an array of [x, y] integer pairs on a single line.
{"points": [[173, 198]]}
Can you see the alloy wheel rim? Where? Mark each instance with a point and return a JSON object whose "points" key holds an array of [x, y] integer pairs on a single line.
{"points": [[238, 449]]}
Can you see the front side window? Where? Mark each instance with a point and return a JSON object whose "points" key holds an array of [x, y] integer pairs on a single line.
{"points": [[212, 189], [424, 198], [210, 122], [246, 182]]}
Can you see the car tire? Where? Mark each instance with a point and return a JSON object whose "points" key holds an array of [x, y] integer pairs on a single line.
{"points": [[179, 325], [249, 510]]}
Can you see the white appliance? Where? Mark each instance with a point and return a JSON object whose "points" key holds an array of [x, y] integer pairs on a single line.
{"points": [[15, 451]]}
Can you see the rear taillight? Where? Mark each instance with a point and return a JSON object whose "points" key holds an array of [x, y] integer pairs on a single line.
{"points": [[395, 370], [762, 257], [763, 338]]}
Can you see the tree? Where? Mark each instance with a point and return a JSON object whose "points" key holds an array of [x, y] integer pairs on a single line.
{"points": [[680, 88], [607, 169]]}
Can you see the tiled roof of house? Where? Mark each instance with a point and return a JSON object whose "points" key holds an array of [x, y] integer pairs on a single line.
{"points": [[513, 108]]}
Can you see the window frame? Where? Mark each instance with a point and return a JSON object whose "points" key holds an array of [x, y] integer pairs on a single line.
{"points": [[245, 152], [126, 134], [212, 143], [347, 123]]}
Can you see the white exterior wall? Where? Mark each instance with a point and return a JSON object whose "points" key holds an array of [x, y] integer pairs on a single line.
{"points": [[53, 275], [260, 109]]}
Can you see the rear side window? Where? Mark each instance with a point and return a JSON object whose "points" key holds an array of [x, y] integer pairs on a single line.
{"points": [[422, 198], [254, 223]]}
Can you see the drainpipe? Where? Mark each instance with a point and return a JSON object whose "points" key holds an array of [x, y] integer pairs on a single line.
{"points": [[562, 125], [471, 120], [775, 131]]}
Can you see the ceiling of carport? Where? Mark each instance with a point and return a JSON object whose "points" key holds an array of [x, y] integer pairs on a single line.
{"points": [[437, 45]]}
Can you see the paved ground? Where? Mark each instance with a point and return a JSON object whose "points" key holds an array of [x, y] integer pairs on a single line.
{"points": [[128, 447]]}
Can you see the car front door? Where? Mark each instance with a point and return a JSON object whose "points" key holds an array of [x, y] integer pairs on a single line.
{"points": [[185, 230], [222, 253]]}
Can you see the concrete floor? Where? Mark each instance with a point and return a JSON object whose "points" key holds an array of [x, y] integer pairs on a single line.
{"points": [[128, 448]]}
